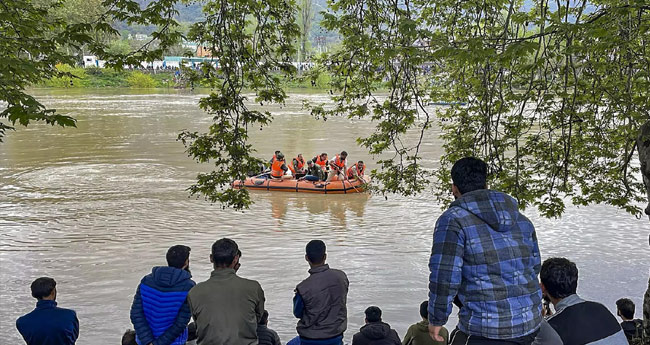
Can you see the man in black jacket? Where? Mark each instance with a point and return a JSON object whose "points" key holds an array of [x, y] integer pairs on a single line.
{"points": [[320, 300], [265, 335], [375, 332], [632, 327]]}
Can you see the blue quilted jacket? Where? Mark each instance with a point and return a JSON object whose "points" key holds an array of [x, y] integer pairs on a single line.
{"points": [[160, 312]]}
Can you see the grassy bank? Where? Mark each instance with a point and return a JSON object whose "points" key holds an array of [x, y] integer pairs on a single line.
{"points": [[102, 77]]}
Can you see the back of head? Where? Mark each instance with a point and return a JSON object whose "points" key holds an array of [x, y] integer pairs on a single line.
{"points": [[178, 255], [373, 314], [560, 277], [424, 309], [626, 308], [315, 251], [265, 318], [42, 287], [469, 174], [224, 252], [129, 338], [279, 156]]}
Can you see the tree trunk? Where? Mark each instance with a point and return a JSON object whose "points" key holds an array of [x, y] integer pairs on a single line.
{"points": [[643, 144], [646, 314]]}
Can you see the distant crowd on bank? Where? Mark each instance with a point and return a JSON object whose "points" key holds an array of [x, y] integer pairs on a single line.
{"points": [[484, 259]]}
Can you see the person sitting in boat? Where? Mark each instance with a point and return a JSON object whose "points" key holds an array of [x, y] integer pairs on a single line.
{"points": [[356, 171], [299, 168], [337, 167], [321, 160], [279, 167], [272, 160], [314, 172]]}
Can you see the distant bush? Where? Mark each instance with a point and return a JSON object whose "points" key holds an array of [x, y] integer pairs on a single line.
{"points": [[75, 79], [140, 80]]}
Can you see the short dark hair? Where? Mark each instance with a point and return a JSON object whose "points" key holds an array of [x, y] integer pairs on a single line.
{"points": [[343, 153], [42, 287], [469, 174], [373, 314], [360, 162], [177, 255], [315, 251], [224, 252], [129, 337], [626, 307], [424, 309], [265, 318], [559, 276]]}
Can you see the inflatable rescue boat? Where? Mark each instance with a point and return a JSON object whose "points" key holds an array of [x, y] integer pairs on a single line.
{"points": [[303, 186]]}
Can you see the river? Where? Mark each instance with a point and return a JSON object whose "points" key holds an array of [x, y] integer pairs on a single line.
{"points": [[97, 206]]}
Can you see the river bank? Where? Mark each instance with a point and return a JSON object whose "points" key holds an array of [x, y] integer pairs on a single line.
{"points": [[93, 78]]}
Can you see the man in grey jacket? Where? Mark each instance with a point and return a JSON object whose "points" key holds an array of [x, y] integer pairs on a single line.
{"points": [[575, 321], [226, 307], [320, 300]]}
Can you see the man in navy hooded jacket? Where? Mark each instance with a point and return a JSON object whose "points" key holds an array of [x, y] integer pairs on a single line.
{"points": [[160, 312]]}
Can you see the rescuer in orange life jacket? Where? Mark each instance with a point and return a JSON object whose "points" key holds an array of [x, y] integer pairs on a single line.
{"points": [[337, 167], [279, 167], [272, 160], [299, 168], [321, 160], [356, 171]]}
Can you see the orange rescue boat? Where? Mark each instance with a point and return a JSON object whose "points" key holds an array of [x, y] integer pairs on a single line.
{"points": [[304, 186]]}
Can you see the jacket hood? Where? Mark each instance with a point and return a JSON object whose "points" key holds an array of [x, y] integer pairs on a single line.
{"points": [[498, 210], [423, 326], [166, 276], [376, 330]]}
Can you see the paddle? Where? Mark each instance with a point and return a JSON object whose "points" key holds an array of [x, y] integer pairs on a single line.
{"points": [[345, 178]]}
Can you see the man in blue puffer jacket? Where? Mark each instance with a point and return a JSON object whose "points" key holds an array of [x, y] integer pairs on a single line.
{"points": [[160, 312]]}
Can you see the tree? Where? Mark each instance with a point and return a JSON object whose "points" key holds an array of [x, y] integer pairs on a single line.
{"points": [[555, 94], [29, 52], [306, 19], [249, 40], [36, 35]]}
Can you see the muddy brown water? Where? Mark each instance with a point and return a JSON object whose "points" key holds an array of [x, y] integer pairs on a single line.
{"points": [[97, 206]]}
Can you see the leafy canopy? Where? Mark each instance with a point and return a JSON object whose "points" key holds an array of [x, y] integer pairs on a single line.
{"points": [[550, 94]]}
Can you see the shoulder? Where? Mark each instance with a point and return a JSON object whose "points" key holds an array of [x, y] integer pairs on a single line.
{"points": [[21, 320], [338, 272], [66, 312], [452, 215], [249, 283]]}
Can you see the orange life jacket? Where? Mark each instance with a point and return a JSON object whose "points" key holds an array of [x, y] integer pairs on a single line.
{"points": [[301, 163], [340, 163], [321, 162], [360, 170], [276, 168]]}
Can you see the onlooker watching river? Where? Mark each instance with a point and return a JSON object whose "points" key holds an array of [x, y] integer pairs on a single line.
{"points": [[48, 324], [485, 252]]}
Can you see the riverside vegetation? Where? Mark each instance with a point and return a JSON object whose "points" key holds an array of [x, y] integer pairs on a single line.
{"points": [[78, 77]]}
